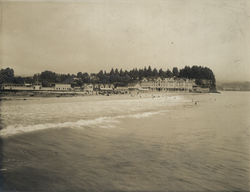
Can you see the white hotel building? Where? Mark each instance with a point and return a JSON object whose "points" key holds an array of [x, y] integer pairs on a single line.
{"points": [[168, 84]]}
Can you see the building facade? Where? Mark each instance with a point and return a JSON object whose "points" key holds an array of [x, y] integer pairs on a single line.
{"points": [[62, 87], [168, 84], [104, 87], [21, 87], [88, 88], [121, 90]]}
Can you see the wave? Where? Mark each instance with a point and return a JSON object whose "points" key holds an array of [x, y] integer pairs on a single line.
{"points": [[100, 122], [142, 115]]}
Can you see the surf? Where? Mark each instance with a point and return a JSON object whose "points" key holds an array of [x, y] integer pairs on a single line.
{"points": [[99, 122]]}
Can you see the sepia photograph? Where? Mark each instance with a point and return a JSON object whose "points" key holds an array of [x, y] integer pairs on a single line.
{"points": [[124, 95]]}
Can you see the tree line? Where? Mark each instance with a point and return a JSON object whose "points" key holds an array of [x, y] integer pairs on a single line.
{"points": [[118, 77]]}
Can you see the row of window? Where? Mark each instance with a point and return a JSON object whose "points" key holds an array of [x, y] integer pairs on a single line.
{"points": [[62, 88], [169, 83]]}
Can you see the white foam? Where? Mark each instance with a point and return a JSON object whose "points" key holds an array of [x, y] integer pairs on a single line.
{"points": [[101, 122], [17, 129], [142, 115]]}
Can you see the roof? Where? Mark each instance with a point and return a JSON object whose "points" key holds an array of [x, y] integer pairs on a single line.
{"points": [[106, 89]]}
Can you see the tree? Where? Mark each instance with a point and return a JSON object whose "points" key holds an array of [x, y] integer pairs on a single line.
{"points": [[169, 74], [85, 78], [149, 71], [48, 76], [121, 73], [175, 72], [161, 73], [18, 80], [155, 73], [6, 75], [200, 74], [79, 75]]}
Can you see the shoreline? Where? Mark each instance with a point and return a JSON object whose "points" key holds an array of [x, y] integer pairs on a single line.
{"points": [[25, 95]]}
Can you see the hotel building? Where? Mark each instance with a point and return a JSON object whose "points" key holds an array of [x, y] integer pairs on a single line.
{"points": [[168, 84]]}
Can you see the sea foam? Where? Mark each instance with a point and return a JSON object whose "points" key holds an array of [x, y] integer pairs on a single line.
{"points": [[100, 122]]}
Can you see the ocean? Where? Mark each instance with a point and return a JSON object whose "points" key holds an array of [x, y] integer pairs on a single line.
{"points": [[158, 142]]}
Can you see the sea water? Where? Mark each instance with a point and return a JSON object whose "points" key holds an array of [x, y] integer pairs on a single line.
{"points": [[164, 142]]}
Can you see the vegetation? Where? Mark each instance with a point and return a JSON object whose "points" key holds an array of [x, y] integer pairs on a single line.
{"points": [[118, 77], [6, 76]]}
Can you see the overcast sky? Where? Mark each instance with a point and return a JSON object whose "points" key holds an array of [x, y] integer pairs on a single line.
{"points": [[73, 36]]}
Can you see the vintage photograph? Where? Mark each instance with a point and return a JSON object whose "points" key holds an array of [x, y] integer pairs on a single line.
{"points": [[124, 95]]}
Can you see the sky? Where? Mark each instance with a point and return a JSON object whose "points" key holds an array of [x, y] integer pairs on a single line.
{"points": [[93, 35]]}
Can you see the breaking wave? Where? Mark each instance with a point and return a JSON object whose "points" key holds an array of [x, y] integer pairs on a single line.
{"points": [[100, 122], [142, 115]]}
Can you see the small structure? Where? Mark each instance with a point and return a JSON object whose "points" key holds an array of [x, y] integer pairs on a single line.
{"points": [[88, 88], [104, 88], [198, 89], [134, 87], [121, 90], [78, 89], [143, 90], [37, 87], [62, 87]]}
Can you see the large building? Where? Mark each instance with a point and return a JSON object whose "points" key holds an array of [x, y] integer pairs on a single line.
{"points": [[168, 84], [62, 87], [20, 87]]}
